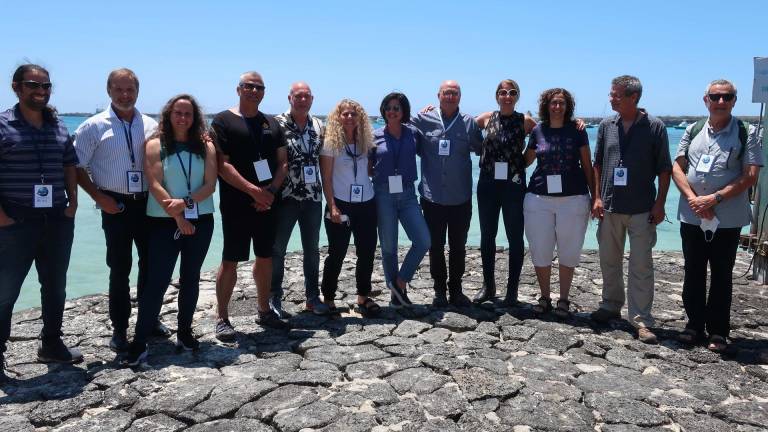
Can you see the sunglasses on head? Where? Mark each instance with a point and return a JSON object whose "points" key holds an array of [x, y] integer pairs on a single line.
{"points": [[252, 87], [34, 85], [715, 97], [507, 92]]}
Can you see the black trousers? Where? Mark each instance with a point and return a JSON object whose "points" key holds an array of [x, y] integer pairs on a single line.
{"points": [[708, 312], [122, 231], [453, 220], [362, 223]]}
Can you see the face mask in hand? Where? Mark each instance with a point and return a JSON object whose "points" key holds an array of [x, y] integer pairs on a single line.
{"points": [[709, 226]]}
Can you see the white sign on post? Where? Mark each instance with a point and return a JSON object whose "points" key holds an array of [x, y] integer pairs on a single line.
{"points": [[760, 86]]}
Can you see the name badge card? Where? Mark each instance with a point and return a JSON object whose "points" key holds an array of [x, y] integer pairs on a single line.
{"points": [[355, 193], [396, 184], [310, 174], [554, 184], [135, 181], [190, 210], [444, 147], [620, 176], [501, 170], [262, 170], [705, 163], [43, 196]]}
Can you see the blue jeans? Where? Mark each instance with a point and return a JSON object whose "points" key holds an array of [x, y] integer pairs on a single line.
{"points": [[309, 215], [505, 196], [44, 238], [402, 207], [164, 250]]}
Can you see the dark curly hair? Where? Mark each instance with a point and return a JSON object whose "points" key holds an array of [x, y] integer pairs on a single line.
{"points": [[405, 106], [546, 97], [197, 132]]}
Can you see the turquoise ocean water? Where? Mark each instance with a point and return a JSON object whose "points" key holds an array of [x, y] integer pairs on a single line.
{"points": [[88, 272]]}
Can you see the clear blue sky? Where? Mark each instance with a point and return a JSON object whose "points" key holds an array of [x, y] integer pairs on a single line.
{"points": [[363, 50]]}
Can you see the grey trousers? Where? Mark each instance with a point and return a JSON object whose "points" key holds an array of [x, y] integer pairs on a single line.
{"points": [[611, 236]]}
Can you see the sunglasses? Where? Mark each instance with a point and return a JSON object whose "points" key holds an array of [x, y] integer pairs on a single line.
{"points": [[715, 97], [34, 85], [252, 87], [395, 108], [505, 92]]}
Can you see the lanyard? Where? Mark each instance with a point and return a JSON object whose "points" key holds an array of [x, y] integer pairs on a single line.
{"points": [[39, 162], [446, 129], [305, 148], [187, 177], [354, 157], [253, 134], [129, 140]]}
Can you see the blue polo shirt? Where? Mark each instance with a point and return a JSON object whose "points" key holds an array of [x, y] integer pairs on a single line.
{"points": [[393, 156], [28, 155]]}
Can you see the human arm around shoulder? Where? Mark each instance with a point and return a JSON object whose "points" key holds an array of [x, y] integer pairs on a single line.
{"points": [[528, 123], [475, 137], [597, 201], [210, 176], [69, 160], [530, 152], [586, 162], [326, 172], [664, 172]]}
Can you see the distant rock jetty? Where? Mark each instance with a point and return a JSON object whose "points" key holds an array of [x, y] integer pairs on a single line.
{"points": [[486, 368]]}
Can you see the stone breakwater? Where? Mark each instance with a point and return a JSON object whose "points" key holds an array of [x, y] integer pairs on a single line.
{"points": [[487, 368]]}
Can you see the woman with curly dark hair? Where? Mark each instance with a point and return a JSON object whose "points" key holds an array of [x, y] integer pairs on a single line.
{"points": [[557, 204], [180, 165]]}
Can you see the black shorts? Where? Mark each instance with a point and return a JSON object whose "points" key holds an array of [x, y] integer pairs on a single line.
{"points": [[243, 225]]}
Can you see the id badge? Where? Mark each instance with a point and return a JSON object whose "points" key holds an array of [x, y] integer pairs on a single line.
{"points": [[355, 193], [501, 170], [43, 196], [444, 147], [135, 181], [620, 176], [262, 170], [395, 184], [705, 163], [310, 174], [190, 211], [554, 184]]}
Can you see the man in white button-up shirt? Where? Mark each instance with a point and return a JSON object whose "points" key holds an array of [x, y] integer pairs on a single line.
{"points": [[110, 147]]}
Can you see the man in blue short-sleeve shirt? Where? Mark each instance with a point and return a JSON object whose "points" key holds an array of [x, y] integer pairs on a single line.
{"points": [[38, 201], [450, 136], [632, 151], [717, 161]]}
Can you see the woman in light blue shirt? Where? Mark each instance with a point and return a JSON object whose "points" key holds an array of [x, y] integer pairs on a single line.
{"points": [[180, 165]]}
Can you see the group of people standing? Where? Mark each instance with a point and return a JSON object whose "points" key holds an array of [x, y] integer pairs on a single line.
{"points": [[153, 182]]}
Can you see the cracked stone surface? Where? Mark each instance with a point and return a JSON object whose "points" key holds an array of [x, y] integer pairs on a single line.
{"points": [[485, 368]]}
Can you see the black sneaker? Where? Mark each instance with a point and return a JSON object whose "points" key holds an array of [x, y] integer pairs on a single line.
{"points": [[277, 307], [224, 331], [460, 300], [136, 355], [119, 341], [186, 341], [56, 352], [440, 300], [400, 295], [160, 330], [270, 319]]}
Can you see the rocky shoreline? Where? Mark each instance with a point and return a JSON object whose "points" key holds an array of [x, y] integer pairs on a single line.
{"points": [[487, 368]]}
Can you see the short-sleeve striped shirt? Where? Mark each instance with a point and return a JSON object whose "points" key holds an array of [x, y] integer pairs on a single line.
{"points": [[102, 144], [31, 156]]}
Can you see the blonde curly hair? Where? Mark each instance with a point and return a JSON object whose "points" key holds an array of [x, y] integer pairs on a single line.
{"points": [[334, 132]]}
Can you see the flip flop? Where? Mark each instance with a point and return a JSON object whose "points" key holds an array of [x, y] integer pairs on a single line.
{"points": [[369, 308]]}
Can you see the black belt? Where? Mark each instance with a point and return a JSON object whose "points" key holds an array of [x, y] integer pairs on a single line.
{"points": [[138, 196]]}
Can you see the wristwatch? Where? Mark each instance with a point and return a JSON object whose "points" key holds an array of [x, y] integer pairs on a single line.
{"points": [[718, 198]]}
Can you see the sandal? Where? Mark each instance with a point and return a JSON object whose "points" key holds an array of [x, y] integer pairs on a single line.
{"points": [[717, 344], [369, 308], [563, 309], [689, 336], [544, 306]]}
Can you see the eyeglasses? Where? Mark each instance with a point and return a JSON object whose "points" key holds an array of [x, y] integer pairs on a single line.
{"points": [[252, 87], [450, 92], [182, 114], [34, 85], [348, 114], [715, 97], [507, 92], [395, 108]]}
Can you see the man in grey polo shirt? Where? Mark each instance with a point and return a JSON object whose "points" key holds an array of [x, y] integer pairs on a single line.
{"points": [[446, 188], [632, 150], [717, 161], [110, 147]]}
